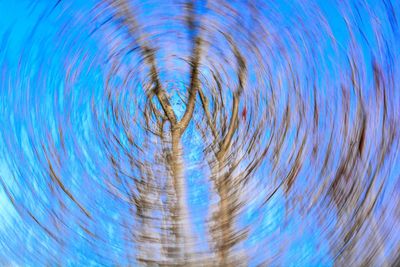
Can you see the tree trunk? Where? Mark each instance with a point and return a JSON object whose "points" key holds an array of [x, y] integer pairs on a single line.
{"points": [[224, 226], [181, 212]]}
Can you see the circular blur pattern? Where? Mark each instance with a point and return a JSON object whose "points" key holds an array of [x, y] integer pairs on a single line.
{"points": [[199, 133]]}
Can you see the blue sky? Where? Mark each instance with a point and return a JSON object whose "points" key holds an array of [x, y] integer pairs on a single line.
{"points": [[42, 45]]}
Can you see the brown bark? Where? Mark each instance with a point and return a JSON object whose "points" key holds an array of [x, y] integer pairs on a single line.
{"points": [[181, 211], [225, 218]]}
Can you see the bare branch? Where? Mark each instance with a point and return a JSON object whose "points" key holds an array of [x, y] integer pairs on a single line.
{"points": [[194, 87], [195, 63], [130, 22], [235, 106], [159, 91], [204, 102]]}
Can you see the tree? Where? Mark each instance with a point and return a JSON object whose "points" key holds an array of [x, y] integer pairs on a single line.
{"points": [[225, 137]]}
